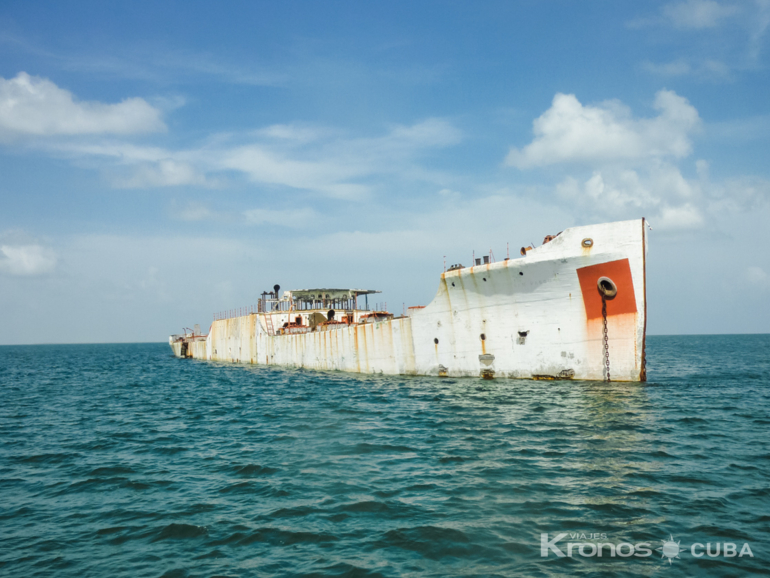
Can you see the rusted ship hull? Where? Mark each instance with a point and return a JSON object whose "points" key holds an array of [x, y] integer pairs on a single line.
{"points": [[541, 316]]}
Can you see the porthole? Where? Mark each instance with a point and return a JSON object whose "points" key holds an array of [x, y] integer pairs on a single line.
{"points": [[435, 340], [587, 242], [484, 278], [483, 337], [453, 284], [520, 273]]}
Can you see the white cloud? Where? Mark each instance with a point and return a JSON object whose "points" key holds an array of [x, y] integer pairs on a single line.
{"points": [[26, 260], [30, 105], [612, 194], [193, 211], [678, 67], [734, 49], [432, 132], [641, 177], [293, 218], [678, 218], [659, 192], [291, 132], [697, 14], [737, 195], [757, 277], [714, 70], [757, 274], [758, 26], [262, 165], [164, 173], [450, 195], [311, 159], [571, 132]]}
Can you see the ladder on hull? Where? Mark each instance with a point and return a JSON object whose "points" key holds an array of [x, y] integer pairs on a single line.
{"points": [[270, 328]]}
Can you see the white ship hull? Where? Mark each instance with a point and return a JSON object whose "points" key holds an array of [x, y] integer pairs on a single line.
{"points": [[539, 316]]}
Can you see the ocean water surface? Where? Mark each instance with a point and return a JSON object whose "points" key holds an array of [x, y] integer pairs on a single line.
{"points": [[120, 460]]}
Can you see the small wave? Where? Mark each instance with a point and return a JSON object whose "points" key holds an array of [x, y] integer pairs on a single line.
{"points": [[175, 573], [743, 467], [433, 542], [16, 514], [135, 485], [690, 480], [254, 470], [344, 570], [451, 460], [714, 531], [645, 492], [180, 532], [278, 537], [298, 512], [48, 458], [750, 492], [283, 438], [239, 487], [375, 507], [421, 487], [169, 450], [367, 448], [112, 471], [12, 481], [660, 454], [113, 530], [93, 483]]}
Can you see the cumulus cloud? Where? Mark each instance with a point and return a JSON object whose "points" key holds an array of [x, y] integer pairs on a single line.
{"points": [[572, 132], [685, 216], [30, 105], [644, 173], [612, 194], [661, 193], [697, 14], [26, 260]]}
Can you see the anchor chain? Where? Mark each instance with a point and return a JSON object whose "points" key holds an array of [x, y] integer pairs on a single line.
{"points": [[606, 338]]}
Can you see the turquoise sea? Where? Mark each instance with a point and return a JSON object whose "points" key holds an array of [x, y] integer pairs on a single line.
{"points": [[120, 460]]}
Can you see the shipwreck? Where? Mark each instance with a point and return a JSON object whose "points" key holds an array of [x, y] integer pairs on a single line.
{"points": [[573, 308]]}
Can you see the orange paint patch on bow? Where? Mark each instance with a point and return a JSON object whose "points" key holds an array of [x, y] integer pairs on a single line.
{"points": [[620, 273]]}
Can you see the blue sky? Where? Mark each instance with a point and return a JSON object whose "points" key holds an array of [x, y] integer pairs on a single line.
{"points": [[164, 161]]}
